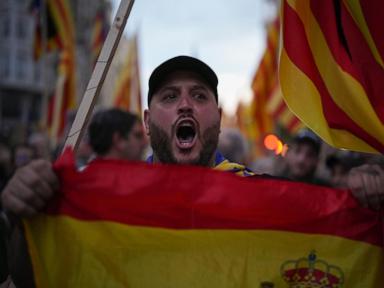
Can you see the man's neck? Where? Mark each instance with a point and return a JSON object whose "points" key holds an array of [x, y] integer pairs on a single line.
{"points": [[111, 155]]}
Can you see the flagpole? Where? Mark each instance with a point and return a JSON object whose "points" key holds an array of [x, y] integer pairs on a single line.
{"points": [[98, 75]]}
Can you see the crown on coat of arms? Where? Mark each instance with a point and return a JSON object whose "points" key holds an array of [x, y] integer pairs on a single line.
{"points": [[310, 272]]}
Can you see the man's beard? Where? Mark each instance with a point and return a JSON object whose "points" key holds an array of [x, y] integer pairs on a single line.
{"points": [[162, 148]]}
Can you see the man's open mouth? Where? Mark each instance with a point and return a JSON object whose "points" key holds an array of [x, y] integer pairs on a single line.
{"points": [[186, 134]]}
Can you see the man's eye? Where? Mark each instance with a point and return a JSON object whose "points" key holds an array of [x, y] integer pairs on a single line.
{"points": [[200, 96], [169, 97]]}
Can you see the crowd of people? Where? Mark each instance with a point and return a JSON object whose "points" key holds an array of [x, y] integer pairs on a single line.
{"points": [[182, 123]]}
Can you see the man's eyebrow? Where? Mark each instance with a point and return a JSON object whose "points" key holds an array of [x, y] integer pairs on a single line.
{"points": [[198, 87], [169, 87]]}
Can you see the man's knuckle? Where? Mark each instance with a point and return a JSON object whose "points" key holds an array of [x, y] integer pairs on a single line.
{"points": [[29, 196]]}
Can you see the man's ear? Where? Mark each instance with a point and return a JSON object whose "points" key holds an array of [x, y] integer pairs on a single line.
{"points": [[220, 114], [116, 140], [146, 121]]}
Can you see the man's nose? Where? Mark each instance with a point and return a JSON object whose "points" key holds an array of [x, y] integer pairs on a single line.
{"points": [[185, 104]]}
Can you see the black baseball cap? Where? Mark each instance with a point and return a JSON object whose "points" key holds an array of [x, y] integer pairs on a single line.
{"points": [[181, 63], [309, 137]]}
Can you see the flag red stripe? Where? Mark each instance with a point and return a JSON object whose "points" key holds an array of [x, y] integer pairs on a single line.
{"points": [[299, 52], [293, 124], [375, 22], [361, 65], [280, 109], [159, 196], [371, 71]]}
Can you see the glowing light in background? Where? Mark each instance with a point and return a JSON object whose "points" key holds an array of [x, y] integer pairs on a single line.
{"points": [[273, 143]]}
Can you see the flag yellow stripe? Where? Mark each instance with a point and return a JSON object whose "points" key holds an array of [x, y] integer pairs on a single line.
{"points": [[313, 117], [107, 254], [34, 256], [275, 100], [345, 91], [286, 116], [290, 76], [64, 22], [344, 139], [356, 12]]}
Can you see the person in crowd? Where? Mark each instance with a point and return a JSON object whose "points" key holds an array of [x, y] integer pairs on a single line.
{"points": [[340, 164], [233, 145], [117, 134], [302, 158], [40, 142]]}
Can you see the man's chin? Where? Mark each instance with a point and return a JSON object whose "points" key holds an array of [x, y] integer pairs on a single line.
{"points": [[186, 157]]}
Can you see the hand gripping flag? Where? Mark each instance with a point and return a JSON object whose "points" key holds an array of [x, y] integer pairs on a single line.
{"points": [[120, 224], [332, 69]]}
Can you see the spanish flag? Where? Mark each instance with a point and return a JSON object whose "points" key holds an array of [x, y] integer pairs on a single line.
{"points": [[332, 69], [120, 224]]}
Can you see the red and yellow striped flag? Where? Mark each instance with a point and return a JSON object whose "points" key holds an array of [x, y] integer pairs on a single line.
{"points": [[99, 33], [64, 98], [248, 126], [41, 18], [127, 90], [270, 108], [331, 70], [267, 108], [121, 224]]}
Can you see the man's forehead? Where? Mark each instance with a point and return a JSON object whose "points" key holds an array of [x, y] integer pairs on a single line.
{"points": [[305, 146]]}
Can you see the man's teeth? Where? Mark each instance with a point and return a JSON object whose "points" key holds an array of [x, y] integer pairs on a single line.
{"points": [[186, 133], [186, 139]]}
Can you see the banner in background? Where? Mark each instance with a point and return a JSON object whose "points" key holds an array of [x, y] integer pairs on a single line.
{"points": [[331, 70]]}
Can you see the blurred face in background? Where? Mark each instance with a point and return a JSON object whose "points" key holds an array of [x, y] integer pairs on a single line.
{"points": [[302, 159], [135, 143], [339, 176]]}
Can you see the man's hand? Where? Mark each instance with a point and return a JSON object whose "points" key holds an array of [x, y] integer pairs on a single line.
{"points": [[28, 191], [367, 184]]}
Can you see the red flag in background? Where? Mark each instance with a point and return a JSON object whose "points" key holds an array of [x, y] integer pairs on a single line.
{"points": [[44, 17], [331, 70], [121, 224], [270, 108], [267, 109], [99, 33], [127, 95], [63, 99], [61, 38]]}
